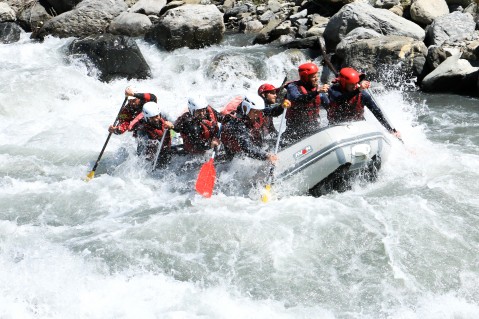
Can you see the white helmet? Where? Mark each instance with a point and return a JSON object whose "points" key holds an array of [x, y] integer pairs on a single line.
{"points": [[150, 109], [250, 102], [197, 103]]}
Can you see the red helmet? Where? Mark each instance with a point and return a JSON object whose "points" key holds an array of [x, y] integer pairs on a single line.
{"points": [[266, 88], [306, 69], [348, 76]]}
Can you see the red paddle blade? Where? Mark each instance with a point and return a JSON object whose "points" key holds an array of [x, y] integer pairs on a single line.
{"points": [[206, 179]]}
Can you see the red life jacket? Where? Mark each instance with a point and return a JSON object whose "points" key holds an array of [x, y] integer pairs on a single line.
{"points": [[209, 126], [255, 130], [351, 110], [304, 112], [155, 133]]}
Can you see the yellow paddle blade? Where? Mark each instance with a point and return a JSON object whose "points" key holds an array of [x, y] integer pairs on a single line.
{"points": [[90, 176], [266, 195]]}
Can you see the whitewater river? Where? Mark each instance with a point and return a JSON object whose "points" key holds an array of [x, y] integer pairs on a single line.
{"points": [[129, 244]]}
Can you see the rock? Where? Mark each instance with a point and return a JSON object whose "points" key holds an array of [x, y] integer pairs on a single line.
{"points": [[471, 51], [7, 14], [425, 11], [264, 35], [306, 43], [62, 6], [397, 10], [375, 55], [435, 56], [114, 56], [359, 14], [253, 26], [194, 26], [315, 31], [452, 27], [148, 7], [318, 21], [386, 4], [355, 35], [463, 3], [266, 17], [274, 6], [19, 5], [236, 11], [9, 32], [89, 17], [453, 75], [33, 18], [130, 24], [171, 5], [300, 15]]}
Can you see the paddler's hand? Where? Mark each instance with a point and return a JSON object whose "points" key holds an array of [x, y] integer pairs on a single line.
{"points": [[169, 125], [129, 91], [286, 104], [396, 134], [215, 142], [273, 158], [324, 88], [364, 85], [113, 129]]}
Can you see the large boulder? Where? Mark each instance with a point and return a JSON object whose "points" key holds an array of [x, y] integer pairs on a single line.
{"points": [[360, 14], [425, 11], [452, 27], [191, 25], [89, 17], [131, 24], [9, 32], [61, 6], [403, 56], [114, 56], [453, 75], [33, 17], [6, 13]]}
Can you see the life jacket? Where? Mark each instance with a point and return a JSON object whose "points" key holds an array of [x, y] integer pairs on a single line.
{"points": [[301, 112], [229, 139], [155, 133], [345, 111], [209, 126]]}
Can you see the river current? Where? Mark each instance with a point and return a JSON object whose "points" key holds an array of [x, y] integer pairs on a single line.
{"points": [[130, 244]]}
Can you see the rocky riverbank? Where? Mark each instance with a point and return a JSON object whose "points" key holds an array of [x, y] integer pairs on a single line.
{"points": [[433, 41]]}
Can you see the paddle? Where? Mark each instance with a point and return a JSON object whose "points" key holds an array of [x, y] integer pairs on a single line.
{"points": [[265, 197], [207, 176], [331, 67], [158, 152], [91, 175]]}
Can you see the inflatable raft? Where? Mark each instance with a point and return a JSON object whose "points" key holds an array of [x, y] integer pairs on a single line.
{"points": [[328, 159]]}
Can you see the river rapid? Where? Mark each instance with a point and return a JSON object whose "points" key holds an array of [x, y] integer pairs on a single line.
{"points": [[130, 244]]}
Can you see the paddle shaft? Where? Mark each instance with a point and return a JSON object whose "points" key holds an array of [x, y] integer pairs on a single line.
{"points": [[109, 135], [158, 152]]}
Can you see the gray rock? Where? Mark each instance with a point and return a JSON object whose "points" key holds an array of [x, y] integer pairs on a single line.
{"points": [[306, 43], [274, 6], [148, 7], [318, 21], [130, 24], [19, 5], [453, 75], [403, 54], [253, 26], [264, 35], [315, 31], [266, 17], [397, 10], [88, 18], [471, 51], [34, 17], [386, 4], [300, 15], [114, 56], [425, 11], [452, 27], [9, 32], [171, 5], [359, 14], [194, 26], [435, 56], [7, 14]]}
